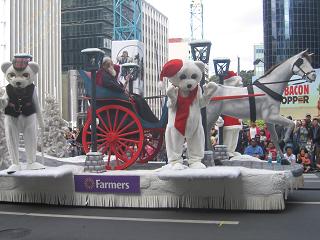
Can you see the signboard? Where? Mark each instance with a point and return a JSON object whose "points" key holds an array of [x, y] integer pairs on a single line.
{"points": [[107, 184], [298, 100], [130, 51]]}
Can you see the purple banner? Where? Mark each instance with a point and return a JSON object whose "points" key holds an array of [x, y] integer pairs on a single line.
{"points": [[107, 184]]}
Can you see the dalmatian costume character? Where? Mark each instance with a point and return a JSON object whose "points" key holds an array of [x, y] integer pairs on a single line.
{"points": [[232, 126], [22, 109], [185, 99]]}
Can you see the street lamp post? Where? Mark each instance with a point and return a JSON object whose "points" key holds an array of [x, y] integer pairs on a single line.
{"points": [[200, 51], [221, 67], [133, 70], [93, 59]]}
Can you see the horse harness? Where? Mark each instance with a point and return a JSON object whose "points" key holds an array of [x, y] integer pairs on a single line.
{"points": [[276, 96]]}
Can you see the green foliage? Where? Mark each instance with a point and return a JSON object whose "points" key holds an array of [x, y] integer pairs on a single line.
{"points": [[246, 76], [214, 78], [260, 123]]}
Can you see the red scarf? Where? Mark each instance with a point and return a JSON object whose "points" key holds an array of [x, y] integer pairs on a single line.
{"points": [[183, 109]]}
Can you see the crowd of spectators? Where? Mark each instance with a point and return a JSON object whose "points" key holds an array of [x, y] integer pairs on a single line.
{"points": [[303, 146], [74, 148]]}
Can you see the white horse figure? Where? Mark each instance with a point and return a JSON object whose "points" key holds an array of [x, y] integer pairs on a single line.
{"points": [[267, 106]]}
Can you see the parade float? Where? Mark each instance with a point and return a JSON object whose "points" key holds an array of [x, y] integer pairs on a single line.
{"points": [[120, 145]]}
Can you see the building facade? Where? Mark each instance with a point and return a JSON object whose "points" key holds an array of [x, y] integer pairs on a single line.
{"points": [[290, 26], [155, 40], [35, 28], [259, 60], [4, 35], [85, 24]]}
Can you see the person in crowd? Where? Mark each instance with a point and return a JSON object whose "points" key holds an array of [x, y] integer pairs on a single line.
{"points": [[290, 156], [308, 120], [295, 137], [254, 149], [315, 139], [253, 130], [302, 134], [263, 136], [214, 137], [303, 158], [261, 144], [271, 149], [242, 139]]}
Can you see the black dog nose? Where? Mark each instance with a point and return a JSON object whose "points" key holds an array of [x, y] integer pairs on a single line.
{"points": [[18, 83], [189, 85]]}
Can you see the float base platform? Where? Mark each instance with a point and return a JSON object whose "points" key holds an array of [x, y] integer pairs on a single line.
{"points": [[233, 188]]}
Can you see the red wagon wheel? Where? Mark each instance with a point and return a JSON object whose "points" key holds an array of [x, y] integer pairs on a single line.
{"points": [[153, 139], [119, 136]]}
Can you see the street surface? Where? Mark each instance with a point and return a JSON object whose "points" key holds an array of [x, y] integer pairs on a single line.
{"points": [[300, 220]]}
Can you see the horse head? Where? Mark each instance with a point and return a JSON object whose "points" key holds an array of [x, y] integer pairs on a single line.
{"points": [[303, 68]]}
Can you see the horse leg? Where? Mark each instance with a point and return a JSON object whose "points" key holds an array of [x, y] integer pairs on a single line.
{"points": [[285, 122], [274, 136], [212, 117]]}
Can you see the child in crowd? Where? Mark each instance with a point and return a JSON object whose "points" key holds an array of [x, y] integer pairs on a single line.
{"points": [[263, 137], [289, 155], [271, 149], [303, 158]]}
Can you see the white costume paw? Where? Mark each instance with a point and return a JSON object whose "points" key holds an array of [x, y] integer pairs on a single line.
{"points": [[209, 89], [197, 165], [172, 92], [14, 168], [178, 166], [35, 166]]}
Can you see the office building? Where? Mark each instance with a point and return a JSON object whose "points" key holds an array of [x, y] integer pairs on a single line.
{"points": [[290, 26], [259, 60], [155, 40]]}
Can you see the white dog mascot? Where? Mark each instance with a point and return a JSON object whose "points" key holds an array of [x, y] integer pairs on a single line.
{"points": [[22, 108], [185, 99]]}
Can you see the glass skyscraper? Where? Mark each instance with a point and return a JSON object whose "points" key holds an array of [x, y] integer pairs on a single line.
{"points": [[85, 24], [290, 26]]}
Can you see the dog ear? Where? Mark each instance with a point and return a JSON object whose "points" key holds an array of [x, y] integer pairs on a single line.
{"points": [[5, 66], [34, 67], [200, 65]]}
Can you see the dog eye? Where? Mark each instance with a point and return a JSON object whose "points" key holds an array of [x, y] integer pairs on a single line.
{"points": [[194, 76], [183, 76], [26, 75], [11, 75]]}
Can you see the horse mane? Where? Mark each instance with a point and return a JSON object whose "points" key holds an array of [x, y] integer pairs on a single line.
{"points": [[306, 55], [270, 70]]}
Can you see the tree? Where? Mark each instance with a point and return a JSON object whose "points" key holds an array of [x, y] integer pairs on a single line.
{"points": [[214, 78], [246, 77], [54, 141], [4, 154]]}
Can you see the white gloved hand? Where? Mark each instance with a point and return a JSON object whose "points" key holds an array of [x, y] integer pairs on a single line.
{"points": [[172, 93]]}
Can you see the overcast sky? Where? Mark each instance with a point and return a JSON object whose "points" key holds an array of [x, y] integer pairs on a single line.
{"points": [[233, 26]]}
